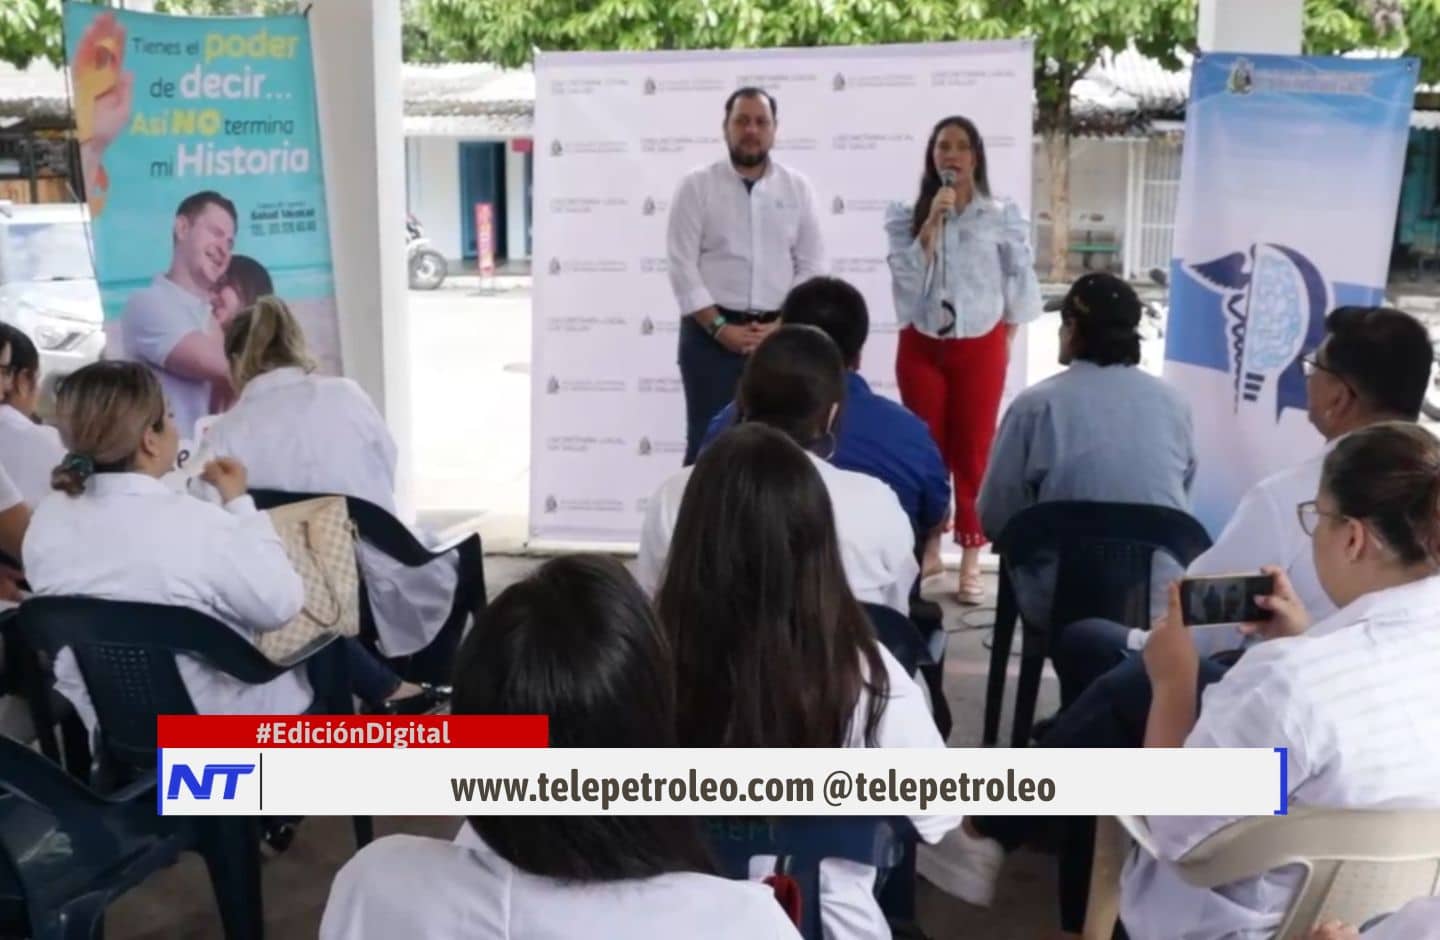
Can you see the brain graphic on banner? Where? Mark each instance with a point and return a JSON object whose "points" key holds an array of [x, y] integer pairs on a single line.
{"points": [[616, 132], [201, 153], [1266, 244]]}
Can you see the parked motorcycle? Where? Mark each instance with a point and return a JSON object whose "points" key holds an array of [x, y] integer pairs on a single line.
{"points": [[427, 266]]}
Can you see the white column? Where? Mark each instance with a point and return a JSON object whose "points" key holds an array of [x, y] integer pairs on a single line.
{"points": [[357, 74], [516, 215], [1275, 26]]}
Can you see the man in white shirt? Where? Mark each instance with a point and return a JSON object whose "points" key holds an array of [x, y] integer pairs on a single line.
{"points": [[742, 232], [169, 325]]}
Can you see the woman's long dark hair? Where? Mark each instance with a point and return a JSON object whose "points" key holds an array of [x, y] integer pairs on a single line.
{"points": [[578, 641], [768, 639], [930, 179]]}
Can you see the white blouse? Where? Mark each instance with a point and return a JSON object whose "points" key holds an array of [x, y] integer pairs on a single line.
{"points": [[848, 909], [1355, 701], [425, 889], [877, 544], [308, 433], [29, 452], [130, 538]]}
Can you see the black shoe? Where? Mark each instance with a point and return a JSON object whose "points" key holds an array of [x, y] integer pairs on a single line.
{"points": [[428, 699]]}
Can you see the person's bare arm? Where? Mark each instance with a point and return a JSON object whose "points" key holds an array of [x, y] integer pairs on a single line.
{"points": [[199, 356], [13, 523]]}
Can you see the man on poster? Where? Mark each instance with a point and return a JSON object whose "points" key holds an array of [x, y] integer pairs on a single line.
{"points": [[742, 232], [170, 325]]}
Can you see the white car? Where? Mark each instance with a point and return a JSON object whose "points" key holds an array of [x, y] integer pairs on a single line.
{"points": [[47, 285]]}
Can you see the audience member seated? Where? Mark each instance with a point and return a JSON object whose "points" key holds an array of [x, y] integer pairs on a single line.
{"points": [[306, 433], [1103, 430], [123, 535], [771, 647], [795, 382], [576, 641], [29, 451], [1345, 696], [874, 435], [1373, 365]]}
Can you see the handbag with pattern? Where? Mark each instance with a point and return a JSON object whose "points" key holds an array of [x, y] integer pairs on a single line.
{"points": [[319, 539]]}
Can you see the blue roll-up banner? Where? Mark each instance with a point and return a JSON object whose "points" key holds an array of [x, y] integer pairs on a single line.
{"points": [[1288, 192]]}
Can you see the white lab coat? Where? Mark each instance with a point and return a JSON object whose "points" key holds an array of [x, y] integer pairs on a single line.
{"points": [[1265, 530], [320, 434], [848, 909], [425, 889], [14, 713], [29, 452], [1418, 920], [130, 538], [877, 544], [1354, 699]]}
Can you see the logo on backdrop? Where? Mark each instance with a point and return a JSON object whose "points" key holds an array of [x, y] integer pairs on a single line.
{"points": [[554, 265], [648, 206], [839, 83], [649, 86], [552, 387], [837, 205], [644, 448], [1269, 302], [647, 326], [551, 504], [556, 148], [1242, 78]]}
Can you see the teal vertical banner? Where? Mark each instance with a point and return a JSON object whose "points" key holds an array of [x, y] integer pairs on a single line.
{"points": [[200, 147]]}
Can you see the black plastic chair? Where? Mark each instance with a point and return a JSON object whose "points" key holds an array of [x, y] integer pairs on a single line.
{"points": [[1102, 554], [391, 536], [22, 674], [126, 655], [802, 842], [66, 853], [916, 651]]}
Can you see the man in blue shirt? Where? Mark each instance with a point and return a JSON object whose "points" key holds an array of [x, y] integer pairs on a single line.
{"points": [[875, 435]]}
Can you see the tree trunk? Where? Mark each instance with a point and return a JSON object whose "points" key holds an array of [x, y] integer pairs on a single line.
{"points": [[1057, 147]]}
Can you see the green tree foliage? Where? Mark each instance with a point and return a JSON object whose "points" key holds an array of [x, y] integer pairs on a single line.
{"points": [[30, 29]]}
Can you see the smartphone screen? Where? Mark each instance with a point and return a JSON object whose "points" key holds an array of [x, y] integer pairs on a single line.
{"points": [[1225, 599]]}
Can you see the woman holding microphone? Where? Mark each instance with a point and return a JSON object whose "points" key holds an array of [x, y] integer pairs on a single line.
{"points": [[960, 266]]}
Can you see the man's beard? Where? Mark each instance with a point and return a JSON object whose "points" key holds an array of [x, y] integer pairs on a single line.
{"points": [[747, 160]]}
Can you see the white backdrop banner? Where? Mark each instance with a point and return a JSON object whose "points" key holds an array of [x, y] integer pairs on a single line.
{"points": [[614, 134]]}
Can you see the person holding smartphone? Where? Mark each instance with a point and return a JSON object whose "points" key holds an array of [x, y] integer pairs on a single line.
{"points": [[1346, 695]]}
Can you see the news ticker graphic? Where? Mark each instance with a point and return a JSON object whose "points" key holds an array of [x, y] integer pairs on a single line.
{"points": [[499, 765]]}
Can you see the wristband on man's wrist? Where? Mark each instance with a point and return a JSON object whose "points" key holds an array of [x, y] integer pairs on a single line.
{"points": [[716, 325]]}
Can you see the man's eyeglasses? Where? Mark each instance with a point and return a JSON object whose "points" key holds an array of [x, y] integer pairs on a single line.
{"points": [[1311, 363]]}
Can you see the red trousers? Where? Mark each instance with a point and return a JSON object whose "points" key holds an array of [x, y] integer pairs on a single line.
{"points": [[955, 386]]}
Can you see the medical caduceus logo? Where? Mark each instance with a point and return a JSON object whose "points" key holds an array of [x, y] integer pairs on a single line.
{"points": [[1271, 297]]}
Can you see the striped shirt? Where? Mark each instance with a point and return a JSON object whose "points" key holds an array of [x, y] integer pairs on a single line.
{"points": [[1356, 703]]}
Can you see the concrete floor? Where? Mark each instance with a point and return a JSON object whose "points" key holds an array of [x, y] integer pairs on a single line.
{"points": [[178, 905]]}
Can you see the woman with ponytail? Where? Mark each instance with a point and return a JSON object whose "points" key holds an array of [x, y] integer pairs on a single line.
{"points": [[119, 533], [122, 534], [307, 433]]}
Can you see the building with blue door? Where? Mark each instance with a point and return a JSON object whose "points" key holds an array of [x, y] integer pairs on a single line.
{"points": [[468, 141]]}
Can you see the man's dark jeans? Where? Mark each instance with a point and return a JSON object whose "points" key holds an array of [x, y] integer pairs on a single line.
{"points": [[709, 372]]}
